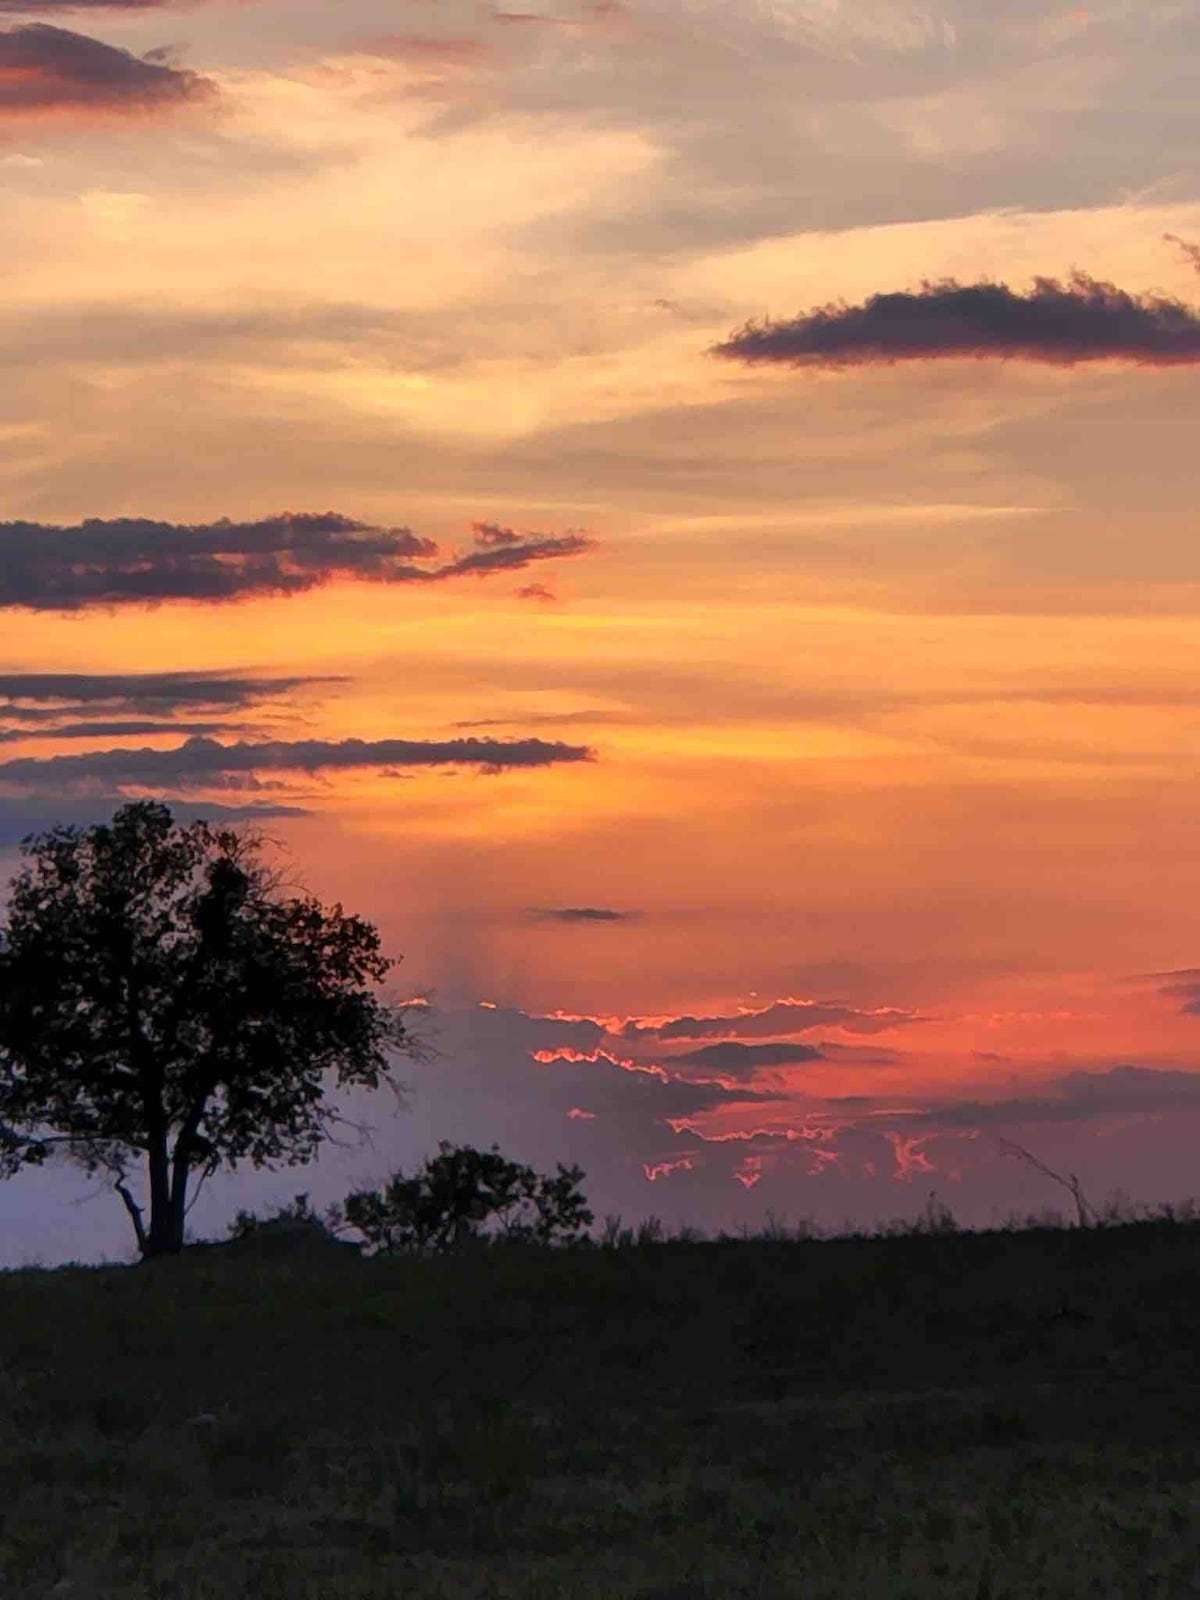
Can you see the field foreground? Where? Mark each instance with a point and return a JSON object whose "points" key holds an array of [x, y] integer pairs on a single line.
{"points": [[966, 1417]]}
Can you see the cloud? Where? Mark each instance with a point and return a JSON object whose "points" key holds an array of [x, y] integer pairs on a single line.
{"points": [[54, 693], [205, 760], [528, 1031], [580, 914], [33, 8], [615, 1085], [492, 533], [555, 1062], [160, 692], [22, 815], [745, 1059], [121, 706], [782, 1018], [46, 567], [110, 730], [512, 557], [1185, 986], [1191, 252], [1061, 324], [425, 50], [46, 70], [1079, 1096], [535, 591]]}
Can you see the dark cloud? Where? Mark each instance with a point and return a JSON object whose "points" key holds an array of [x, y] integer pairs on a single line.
{"points": [[1191, 251], [784, 1017], [550, 719], [135, 705], [1186, 987], [39, 693], [527, 1031], [492, 533], [202, 761], [106, 563], [1191, 1006], [610, 1088], [111, 730], [1079, 1096], [580, 914], [21, 816], [745, 1059], [48, 70], [535, 591], [512, 557], [1082, 320], [548, 1063]]}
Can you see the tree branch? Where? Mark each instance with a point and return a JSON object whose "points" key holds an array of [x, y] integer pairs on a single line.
{"points": [[1086, 1215], [135, 1211]]}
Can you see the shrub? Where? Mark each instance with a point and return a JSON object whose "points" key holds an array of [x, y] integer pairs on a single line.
{"points": [[463, 1195]]}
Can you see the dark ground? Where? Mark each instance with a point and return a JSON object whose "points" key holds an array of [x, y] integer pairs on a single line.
{"points": [[960, 1416]]}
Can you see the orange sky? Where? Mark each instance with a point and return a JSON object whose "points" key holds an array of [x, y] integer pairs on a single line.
{"points": [[889, 669]]}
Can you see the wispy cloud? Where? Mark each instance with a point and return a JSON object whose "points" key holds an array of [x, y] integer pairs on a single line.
{"points": [[34, 8], [101, 729], [202, 761], [37, 696], [47, 567], [135, 705], [781, 1019], [1191, 252], [1184, 985], [1080, 1096], [1060, 324], [22, 815], [738, 1059], [585, 914], [46, 70]]}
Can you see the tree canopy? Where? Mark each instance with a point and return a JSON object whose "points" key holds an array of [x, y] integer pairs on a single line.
{"points": [[161, 997]]}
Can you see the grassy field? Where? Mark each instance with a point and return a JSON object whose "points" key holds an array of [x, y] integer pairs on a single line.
{"points": [[950, 1415]]}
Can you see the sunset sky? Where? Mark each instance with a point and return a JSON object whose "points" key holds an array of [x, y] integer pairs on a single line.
{"points": [[681, 511]]}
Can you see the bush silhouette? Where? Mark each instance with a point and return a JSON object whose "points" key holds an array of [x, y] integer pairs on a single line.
{"points": [[293, 1230], [463, 1194]]}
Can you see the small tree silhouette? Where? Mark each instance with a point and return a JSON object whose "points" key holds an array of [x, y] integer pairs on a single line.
{"points": [[156, 986], [458, 1193]]}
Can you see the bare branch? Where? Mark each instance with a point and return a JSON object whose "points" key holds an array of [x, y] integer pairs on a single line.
{"points": [[1087, 1215], [135, 1211]]}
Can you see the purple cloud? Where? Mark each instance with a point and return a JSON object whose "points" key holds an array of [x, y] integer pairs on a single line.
{"points": [[96, 563], [783, 1018], [584, 914], [203, 761], [1061, 324], [739, 1060], [47, 70]]}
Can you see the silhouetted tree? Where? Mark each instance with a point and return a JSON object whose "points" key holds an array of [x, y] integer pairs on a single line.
{"points": [[160, 997], [459, 1193]]}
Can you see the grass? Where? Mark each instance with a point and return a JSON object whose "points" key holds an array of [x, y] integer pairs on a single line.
{"points": [[930, 1414]]}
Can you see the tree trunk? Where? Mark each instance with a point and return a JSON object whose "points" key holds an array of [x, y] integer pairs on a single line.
{"points": [[180, 1171], [166, 1220]]}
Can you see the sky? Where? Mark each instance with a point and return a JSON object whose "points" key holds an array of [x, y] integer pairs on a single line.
{"points": [[680, 511]]}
